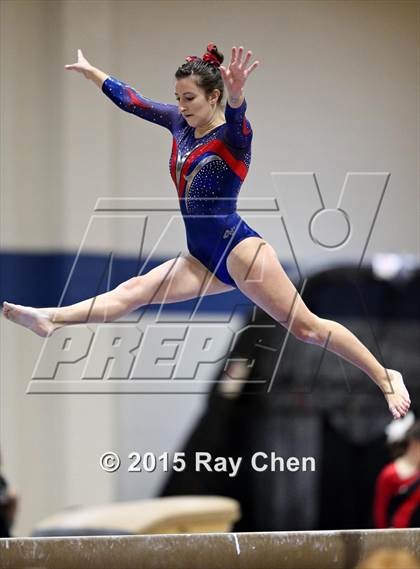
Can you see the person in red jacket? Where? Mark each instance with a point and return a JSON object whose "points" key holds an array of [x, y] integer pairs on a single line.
{"points": [[397, 492]]}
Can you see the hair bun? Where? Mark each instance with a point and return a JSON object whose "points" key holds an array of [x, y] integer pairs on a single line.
{"points": [[213, 56]]}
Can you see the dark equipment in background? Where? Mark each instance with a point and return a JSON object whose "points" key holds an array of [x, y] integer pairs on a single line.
{"points": [[279, 395]]}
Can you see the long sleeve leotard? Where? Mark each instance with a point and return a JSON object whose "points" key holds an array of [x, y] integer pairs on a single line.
{"points": [[208, 173]]}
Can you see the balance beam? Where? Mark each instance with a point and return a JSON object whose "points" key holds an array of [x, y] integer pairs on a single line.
{"points": [[285, 550]]}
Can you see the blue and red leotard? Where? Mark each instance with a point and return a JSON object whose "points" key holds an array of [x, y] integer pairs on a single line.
{"points": [[208, 173]]}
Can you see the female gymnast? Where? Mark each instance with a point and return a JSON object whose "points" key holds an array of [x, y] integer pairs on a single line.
{"points": [[210, 158]]}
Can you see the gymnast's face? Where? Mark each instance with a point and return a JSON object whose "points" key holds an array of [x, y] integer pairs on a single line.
{"points": [[197, 108]]}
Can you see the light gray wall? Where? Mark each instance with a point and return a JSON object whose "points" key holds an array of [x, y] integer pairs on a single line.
{"points": [[336, 92]]}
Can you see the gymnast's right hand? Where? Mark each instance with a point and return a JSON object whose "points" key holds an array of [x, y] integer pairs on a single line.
{"points": [[82, 65]]}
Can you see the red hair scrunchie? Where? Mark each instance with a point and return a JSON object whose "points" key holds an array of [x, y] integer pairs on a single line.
{"points": [[208, 57]]}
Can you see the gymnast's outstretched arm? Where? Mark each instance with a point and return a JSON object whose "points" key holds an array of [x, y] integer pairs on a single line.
{"points": [[238, 132], [126, 97]]}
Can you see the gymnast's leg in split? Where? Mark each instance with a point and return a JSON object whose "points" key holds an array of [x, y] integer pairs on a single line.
{"points": [[176, 280], [255, 267], [256, 270]]}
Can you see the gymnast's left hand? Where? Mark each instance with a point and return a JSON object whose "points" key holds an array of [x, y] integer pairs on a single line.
{"points": [[235, 76]]}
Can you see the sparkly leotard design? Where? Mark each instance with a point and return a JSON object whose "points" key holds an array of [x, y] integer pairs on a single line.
{"points": [[208, 173]]}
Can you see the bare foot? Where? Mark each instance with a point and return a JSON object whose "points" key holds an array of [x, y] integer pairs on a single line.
{"points": [[38, 320], [396, 394]]}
